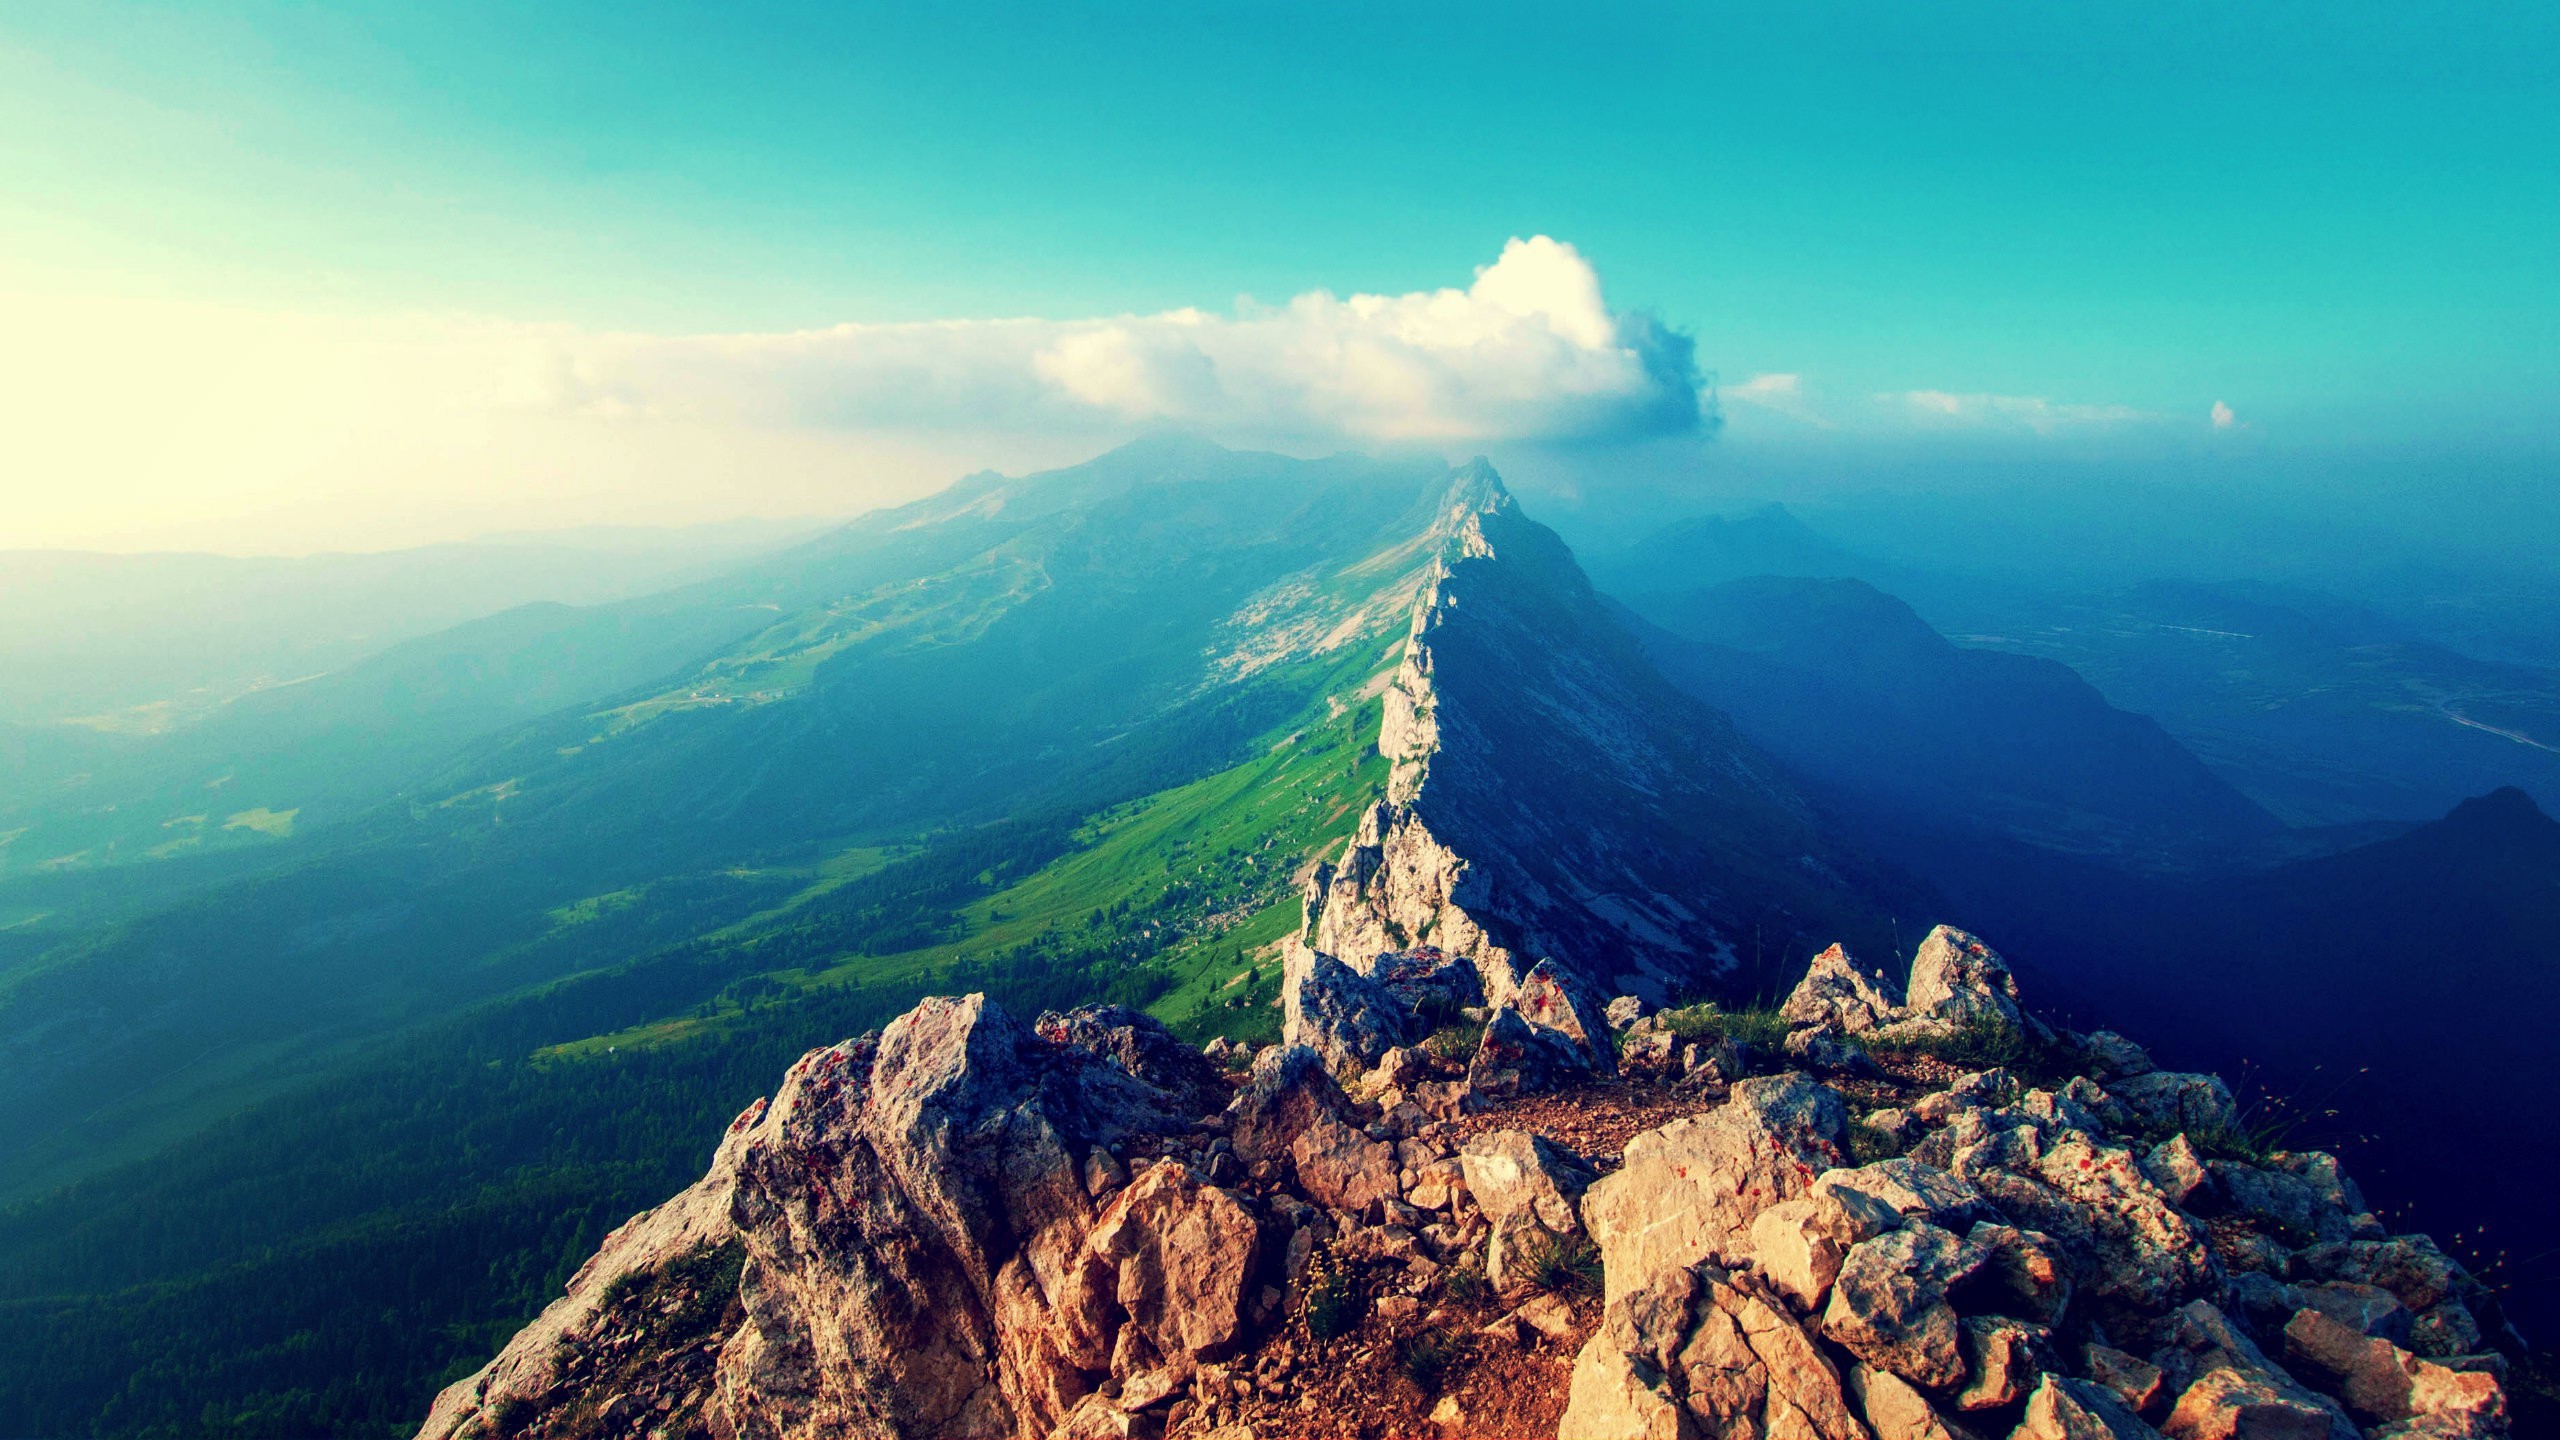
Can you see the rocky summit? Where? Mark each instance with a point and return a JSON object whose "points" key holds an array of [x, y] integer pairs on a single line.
{"points": [[1896, 1208]]}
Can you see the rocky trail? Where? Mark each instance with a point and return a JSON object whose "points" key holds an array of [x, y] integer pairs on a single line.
{"points": [[1838, 1222]]}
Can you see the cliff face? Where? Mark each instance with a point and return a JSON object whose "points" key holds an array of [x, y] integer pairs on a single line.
{"points": [[965, 1226], [1551, 796]]}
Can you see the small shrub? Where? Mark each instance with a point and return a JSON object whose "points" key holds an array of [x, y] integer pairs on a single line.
{"points": [[1566, 1266], [1867, 1144], [1455, 1043], [1426, 1356], [1466, 1285], [1333, 1307]]}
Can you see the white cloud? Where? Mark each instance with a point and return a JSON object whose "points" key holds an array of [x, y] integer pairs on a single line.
{"points": [[126, 421], [1945, 410], [2223, 418], [1530, 351]]}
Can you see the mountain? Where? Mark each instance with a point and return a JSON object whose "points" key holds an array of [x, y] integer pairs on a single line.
{"points": [[1551, 797], [2323, 711], [2383, 999], [1854, 692], [1079, 735]]}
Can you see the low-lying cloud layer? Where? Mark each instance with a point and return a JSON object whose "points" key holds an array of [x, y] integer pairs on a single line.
{"points": [[1529, 351]]}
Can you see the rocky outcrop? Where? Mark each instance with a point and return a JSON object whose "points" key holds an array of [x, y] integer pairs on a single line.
{"points": [[967, 1226], [1551, 797]]}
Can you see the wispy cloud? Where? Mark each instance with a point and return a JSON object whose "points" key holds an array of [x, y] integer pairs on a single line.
{"points": [[1529, 351], [2034, 414]]}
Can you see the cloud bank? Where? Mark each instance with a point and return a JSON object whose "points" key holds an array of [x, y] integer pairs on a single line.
{"points": [[1529, 351]]}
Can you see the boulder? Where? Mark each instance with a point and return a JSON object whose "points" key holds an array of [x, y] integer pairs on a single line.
{"points": [[2130, 1378], [2066, 1409], [2003, 1357], [2177, 1100], [2380, 1383], [1911, 1189], [2226, 1404], [1344, 1016], [1957, 981], [1624, 1011], [1178, 1257], [1516, 1058], [1289, 1088], [1798, 1245], [2128, 1245], [2112, 1057], [1894, 1410], [1691, 1189], [1889, 1303], [1699, 1352], [1341, 1168], [1840, 994], [1514, 1172], [2288, 1204], [2175, 1166], [1142, 1048], [2023, 1275], [1555, 999]]}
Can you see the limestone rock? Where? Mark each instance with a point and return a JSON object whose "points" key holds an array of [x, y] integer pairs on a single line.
{"points": [[2175, 1166], [1141, 1047], [1957, 981], [1839, 993], [1180, 1257], [1690, 1190], [1798, 1244], [2381, 1383], [1911, 1189], [2004, 1357], [1289, 1088], [1341, 1168], [1894, 1410], [2130, 1378], [1513, 1172], [1344, 1016], [1696, 1352], [2112, 1057], [1517, 1058], [1555, 999], [2225, 1404], [1624, 1011], [2176, 1100], [1889, 1304], [2065, 1409]]}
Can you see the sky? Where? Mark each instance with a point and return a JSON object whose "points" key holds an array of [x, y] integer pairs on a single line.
{"points": [[289, 276]]}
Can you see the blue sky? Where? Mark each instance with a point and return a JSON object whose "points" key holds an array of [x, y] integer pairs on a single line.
{"points": [[2340, 220]]}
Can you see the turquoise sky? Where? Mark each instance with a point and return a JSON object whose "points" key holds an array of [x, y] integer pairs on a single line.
{"points": [[2342, 218]]}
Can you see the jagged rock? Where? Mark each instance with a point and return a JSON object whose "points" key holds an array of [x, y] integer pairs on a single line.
{"points": [[2225, 1404], [1690, 1190], [2127, 1243], [2176, 1100], [2175, 1166], [1839, 993], [2022, 1275], [1555, 999], [2253, 1395], [2291, 1205], [1290, 1087], [1624, 1011], [2381, 1383], [2364, 1309], [1911, 1189], [2066, 1409], [1431, 984], [2003, 1357], [1139, 1044], [1894, 1410], [1341, 1014], [1341, 1168], [2112, 1057], [2130, 1378], [1957, 981], [1513, 1172], [1178, 1256], [1798, 1244], [1889, 1303], [1695, 1352], [1517, 1058]]}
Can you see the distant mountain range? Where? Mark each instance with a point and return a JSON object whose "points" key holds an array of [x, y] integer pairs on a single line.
{"points": [[523, 908]]}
